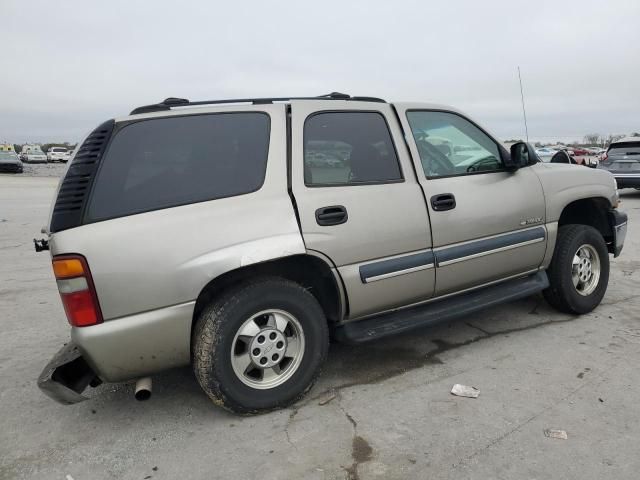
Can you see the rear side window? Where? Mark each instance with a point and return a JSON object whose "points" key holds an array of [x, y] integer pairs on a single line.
{"points": [[166, 162], [348, 148], [623, 149]]}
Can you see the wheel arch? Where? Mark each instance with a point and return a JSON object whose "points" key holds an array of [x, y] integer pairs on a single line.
{"points": [[310, 270], [591, 211]]}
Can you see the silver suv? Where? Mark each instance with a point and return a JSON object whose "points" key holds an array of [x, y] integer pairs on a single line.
{"points": [[238, 236]]}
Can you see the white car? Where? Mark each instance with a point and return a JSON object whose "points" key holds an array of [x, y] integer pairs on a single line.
{"points": [[32, 154], [545, 153], [58, 154]]}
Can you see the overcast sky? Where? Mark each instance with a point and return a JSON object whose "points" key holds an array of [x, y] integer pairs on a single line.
{"points": [[69, 65]]}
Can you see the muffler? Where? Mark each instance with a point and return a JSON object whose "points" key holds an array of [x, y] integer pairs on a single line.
{"points": [[143, 389]]}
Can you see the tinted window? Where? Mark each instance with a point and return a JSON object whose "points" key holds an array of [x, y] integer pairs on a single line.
{"points": [[624, 149], [342, 148], [160, 163], [449, 144]]}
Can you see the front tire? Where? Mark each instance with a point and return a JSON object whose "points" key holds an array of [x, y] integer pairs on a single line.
{"points": [[260, 346], [579, 270]]}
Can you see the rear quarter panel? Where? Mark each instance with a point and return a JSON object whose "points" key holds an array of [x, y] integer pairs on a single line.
{"points": [[165, 257]]}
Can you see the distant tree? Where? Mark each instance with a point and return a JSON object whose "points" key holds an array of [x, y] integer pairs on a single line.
{"points": [[17, 148], [537, 144], [612, 137], [591, 138], [635, 134], [513, 140]]}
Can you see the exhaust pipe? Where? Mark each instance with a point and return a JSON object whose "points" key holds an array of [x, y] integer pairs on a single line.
{"points": [[143, 389]]}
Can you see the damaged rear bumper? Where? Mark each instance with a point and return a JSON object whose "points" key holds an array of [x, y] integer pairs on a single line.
{"points": [[66, 376]]}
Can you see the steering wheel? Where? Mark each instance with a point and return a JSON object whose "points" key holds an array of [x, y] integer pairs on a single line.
{"points": [[475, 166], [433, 160]]}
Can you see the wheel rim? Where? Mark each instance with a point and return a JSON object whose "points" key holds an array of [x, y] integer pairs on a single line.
{"points": [[585, 270], [267, 349]]}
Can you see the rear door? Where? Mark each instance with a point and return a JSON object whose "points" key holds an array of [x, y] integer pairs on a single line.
{"points": [[359, 202], [487, 223]]}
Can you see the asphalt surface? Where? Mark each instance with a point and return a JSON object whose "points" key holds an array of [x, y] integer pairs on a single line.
{"points": [[379, 411]]}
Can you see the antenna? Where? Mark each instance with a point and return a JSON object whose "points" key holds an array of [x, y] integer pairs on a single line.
{"points": [[524, 112]]}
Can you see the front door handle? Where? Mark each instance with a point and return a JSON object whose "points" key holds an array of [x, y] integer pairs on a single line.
{"points": [[333, 215], [443, 201]]}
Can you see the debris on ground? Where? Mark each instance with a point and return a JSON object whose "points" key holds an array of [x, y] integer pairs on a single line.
{"points": [[69, 477], [465, 391], [327, 399], [559, 434]]}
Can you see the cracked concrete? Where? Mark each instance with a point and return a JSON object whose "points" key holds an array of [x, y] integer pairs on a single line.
{"points": [[391, 415]]}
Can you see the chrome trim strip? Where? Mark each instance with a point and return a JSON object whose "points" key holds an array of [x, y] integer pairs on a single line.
{"points": [[489, 252], [398, 272], [396, 265]]}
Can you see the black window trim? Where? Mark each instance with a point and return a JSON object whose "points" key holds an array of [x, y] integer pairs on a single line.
{"points": [[86, 220], [501, 150], [353, 184]]}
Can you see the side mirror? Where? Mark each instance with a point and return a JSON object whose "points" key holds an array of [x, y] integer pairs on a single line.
{"points": [[522, 155]]}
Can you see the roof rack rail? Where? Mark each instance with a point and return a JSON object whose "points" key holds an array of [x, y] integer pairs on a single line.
{"points": [[170, 102]]}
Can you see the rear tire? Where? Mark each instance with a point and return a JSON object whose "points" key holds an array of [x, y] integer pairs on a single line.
{"points": [[260, 346], [579, 270]]}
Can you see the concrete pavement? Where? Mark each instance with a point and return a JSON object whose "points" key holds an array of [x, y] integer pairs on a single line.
{"points": [[379, 411]]}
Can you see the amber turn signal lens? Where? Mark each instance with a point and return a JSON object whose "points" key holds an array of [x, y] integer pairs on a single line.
{"points": [[67, 268]]}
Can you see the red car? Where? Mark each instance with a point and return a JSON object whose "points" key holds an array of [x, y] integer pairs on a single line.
{"points": [[581, 151]]}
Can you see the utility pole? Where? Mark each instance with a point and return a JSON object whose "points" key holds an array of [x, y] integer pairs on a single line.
{"points": [[524, 112]]}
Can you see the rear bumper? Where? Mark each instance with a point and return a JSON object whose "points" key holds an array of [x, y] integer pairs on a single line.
{"points": [[627, 180], [618, 222], [138, 345], [66, 376]]}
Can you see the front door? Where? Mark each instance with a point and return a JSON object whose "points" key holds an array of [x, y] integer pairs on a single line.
{"points": [[487, 223], [360, 203]]}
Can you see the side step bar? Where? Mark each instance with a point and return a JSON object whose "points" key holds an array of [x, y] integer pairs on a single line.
{"points": [[449, 308]]}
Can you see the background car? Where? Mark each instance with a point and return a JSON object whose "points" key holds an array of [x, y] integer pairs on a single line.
{"points": [[9, 162], [622, 159], [58, 154], [32, 154], [545, 153]]}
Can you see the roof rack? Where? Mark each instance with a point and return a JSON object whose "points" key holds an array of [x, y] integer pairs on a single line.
{"points": [[170, 102]]}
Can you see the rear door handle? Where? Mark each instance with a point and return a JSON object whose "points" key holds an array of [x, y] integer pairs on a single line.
{"points": [[443, 201], [333, 215]]}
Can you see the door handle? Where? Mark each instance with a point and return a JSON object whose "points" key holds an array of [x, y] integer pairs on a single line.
{"points": [[333, 215], [443, 201]]}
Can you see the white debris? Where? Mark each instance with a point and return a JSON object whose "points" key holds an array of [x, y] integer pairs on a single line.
{"points": [[465, 391], [69, 477], [559, 434]]}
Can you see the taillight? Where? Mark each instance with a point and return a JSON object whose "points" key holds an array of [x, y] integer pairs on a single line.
{"points": [[77, 290], [605, 157]]}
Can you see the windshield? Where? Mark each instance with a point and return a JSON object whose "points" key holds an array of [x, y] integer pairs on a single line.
{"points": [[626, 149]]}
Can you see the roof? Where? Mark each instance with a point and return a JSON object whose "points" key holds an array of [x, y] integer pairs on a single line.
{"points": [[171, 102], [627, 140]]}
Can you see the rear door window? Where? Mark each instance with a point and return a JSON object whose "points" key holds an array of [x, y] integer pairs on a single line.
{"points": [[166, 162], [349, 148]]}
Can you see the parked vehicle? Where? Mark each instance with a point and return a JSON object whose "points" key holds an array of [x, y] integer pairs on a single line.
{"points": [[545, 153], [9, 162], [580, 151], [622, 159], [563, 156], [209, 236], [32, 154], [58, 154]]}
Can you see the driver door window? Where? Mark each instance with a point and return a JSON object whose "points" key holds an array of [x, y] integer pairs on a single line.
{"points": [[451, 145]]}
